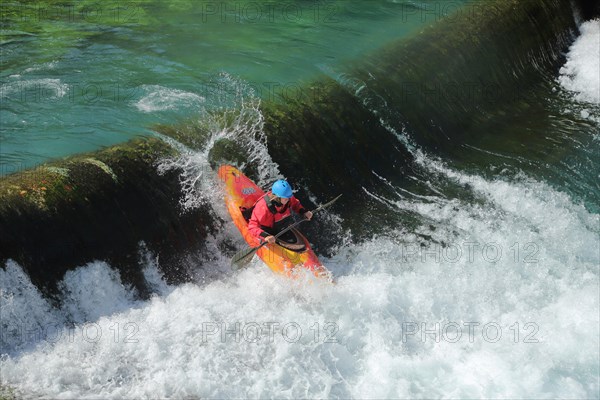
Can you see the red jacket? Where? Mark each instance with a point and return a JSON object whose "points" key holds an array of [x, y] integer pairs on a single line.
{"points": [[268, 215]]}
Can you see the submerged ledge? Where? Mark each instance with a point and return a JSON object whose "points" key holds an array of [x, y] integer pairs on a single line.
{"points": [[99, 206]]}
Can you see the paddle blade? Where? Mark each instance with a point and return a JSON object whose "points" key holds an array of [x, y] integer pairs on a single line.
{"points": [[328, 203], [242, 258]]}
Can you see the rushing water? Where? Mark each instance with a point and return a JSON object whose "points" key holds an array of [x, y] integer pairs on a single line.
{"points": [[502, 300]]}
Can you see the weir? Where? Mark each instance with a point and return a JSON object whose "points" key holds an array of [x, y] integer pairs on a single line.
{"points": [[480, 66], [438, 87], [99, 206], [475, 77]]}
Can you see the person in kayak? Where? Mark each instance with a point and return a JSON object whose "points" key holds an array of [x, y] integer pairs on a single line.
{"points": [[271, 213]]}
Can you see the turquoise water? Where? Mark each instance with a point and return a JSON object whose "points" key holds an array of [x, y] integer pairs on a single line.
{"points": [[77, 77]]}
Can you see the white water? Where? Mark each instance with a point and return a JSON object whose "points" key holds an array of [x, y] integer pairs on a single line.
{"points": [[581, 73], [32, 89], [524, 260], [159, 98], [541, 291], [240, 121]]}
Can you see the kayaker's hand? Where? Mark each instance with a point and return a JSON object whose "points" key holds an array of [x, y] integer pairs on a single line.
{"points": [[308, 215], [270, 239]]}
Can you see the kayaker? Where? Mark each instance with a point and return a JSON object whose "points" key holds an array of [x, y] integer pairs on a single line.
{"points": [[272, 212]]}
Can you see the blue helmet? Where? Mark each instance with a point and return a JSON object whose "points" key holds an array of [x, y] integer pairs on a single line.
{"points": [[282, 189]]}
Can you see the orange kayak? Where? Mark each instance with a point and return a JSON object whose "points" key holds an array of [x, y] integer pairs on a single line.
{"points": [[240, 194]]}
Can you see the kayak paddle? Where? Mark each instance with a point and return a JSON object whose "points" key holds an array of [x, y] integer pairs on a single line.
{"points": [[243, 257]]}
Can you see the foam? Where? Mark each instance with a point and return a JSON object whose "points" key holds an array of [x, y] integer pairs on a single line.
{"points": [[25, 313], [384, 292], [360, 338], [580, 72], [160, 98], [29, 89], [243, 124], [84, 301]]}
